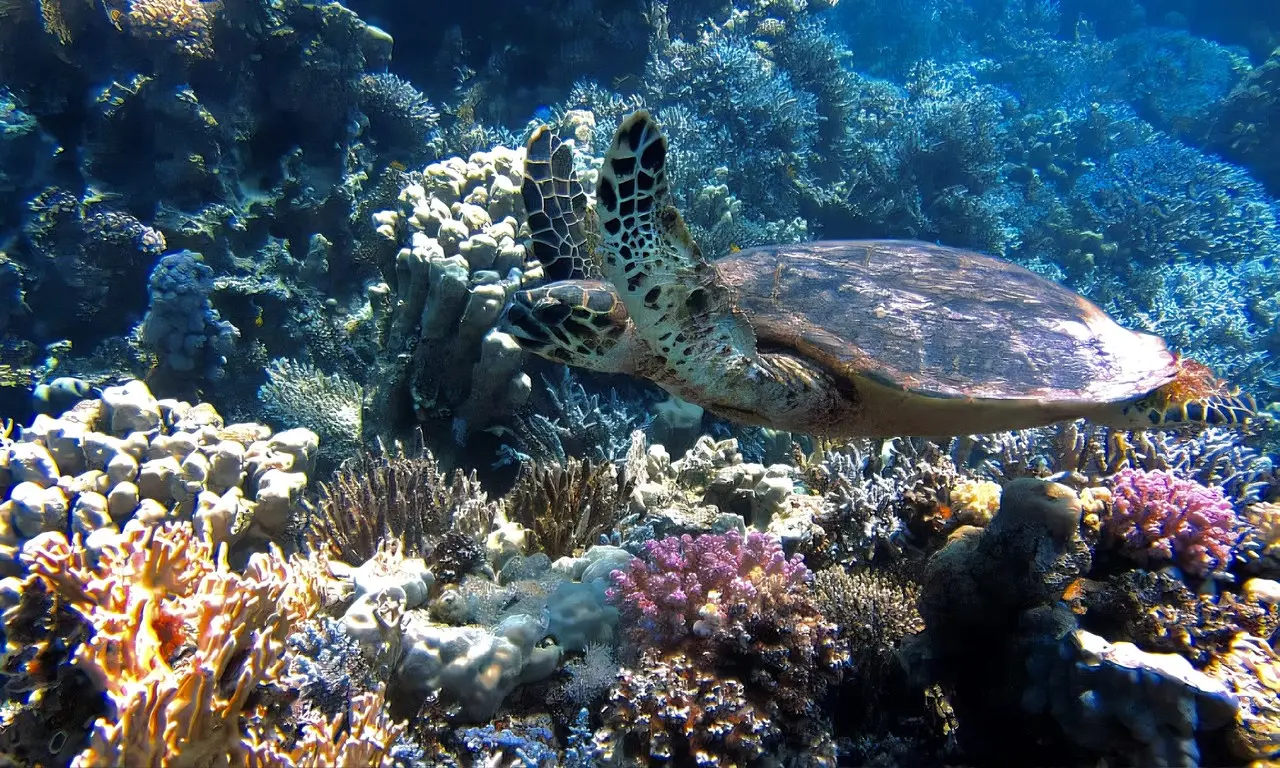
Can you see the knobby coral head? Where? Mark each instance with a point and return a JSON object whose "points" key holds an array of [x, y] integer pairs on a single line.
{"points": [[1159, 517], [694, 585]]}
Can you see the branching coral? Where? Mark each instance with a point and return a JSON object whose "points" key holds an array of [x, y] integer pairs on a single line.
{"points": [[670, 708], [874, 611], [180, 640], [568, 507], [298, 393], [1158, 612], [1159, 517], [741, 598], [401, 497], [398, 113]]}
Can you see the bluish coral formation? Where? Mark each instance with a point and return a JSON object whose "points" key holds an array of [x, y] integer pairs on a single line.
{"points": [[182, 327]]}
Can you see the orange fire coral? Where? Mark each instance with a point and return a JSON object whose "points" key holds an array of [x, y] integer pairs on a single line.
{"points": [[180, 641]]}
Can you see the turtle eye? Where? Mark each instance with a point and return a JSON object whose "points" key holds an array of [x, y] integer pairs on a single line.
{"points": [[551, 312]]}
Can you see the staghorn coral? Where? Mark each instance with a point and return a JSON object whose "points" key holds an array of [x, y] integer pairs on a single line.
{"points": [[569, 507], [180, 641], [1158, 517], [399, 497], [874, 493]]}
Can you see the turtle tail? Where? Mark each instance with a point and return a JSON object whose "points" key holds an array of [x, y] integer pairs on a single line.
{"points": [[556, 206], [1194, 397]]}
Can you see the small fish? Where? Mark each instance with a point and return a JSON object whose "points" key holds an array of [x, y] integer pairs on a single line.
{"points": [[60, 394], [1077, 591], [542, 113]]}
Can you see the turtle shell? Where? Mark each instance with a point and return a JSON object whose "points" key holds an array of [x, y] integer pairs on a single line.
{"points": [[940, 322]]}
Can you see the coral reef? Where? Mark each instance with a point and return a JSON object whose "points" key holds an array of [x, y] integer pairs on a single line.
{"points": [[252, 206]]}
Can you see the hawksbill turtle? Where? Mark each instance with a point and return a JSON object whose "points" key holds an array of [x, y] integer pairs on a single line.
{"points": [[833, 338]]}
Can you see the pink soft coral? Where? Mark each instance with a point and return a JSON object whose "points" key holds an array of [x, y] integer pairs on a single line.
{"points": [[1158, 516]]}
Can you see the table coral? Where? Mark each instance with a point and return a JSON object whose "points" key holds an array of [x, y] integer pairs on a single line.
{"points": [[1159, 517], [180, 640]]}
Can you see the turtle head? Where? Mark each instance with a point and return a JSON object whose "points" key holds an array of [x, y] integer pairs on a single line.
{"points": [[1194, 397], [581, 323]]}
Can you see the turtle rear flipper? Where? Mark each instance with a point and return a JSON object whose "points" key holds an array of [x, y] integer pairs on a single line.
{"points": [[674, 296], [556, 206]]}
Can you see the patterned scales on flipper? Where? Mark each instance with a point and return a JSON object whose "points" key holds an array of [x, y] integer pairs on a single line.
{"points": [[673, 295], [556, 206]]}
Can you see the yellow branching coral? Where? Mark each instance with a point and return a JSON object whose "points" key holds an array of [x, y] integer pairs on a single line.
{"points": [[180, 641], [185, 25]]}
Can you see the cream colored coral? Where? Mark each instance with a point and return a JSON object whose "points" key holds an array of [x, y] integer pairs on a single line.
{"points": [[179, 642], [975, 502]]}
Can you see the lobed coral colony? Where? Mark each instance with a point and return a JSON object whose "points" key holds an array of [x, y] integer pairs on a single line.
{"points": [[279, 488]]}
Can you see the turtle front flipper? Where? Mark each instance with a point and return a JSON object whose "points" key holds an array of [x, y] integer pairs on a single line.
{"points": [[673, 295], [556, 206], [1193, 397], [576, 322]]}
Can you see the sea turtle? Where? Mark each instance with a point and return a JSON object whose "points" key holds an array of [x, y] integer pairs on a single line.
{"points": [[836, 338]]}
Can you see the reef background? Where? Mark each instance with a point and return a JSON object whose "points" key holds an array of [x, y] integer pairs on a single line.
{"points": [[252, 255]]}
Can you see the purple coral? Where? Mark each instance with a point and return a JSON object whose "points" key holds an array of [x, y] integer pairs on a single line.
{"points": [[699, 585], [1159, 516]]}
